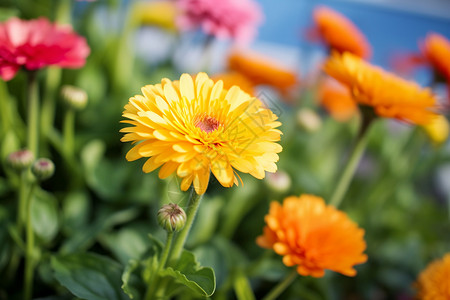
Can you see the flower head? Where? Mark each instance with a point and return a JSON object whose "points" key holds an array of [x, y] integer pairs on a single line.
{"points": [[437, 130], [337, 100], [262, 70], [313, 236], [194, 128], [436, 50], [38, 43], [389, 95], [235, 19], [160, 13], [43, 168], [339, 33], [20, 160], [171, 217], [433, 283]]}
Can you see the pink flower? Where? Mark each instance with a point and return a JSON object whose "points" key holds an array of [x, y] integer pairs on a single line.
{"points": [[35, 44], [236, 19]]}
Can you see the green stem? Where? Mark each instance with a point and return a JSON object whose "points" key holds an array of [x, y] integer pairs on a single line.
{"points": [[22, 209], [4, 107], [29, 255], [162, 262], [194, 203], [68, 133], [33, 113], [280, 287], [351, 166], [48, 106]]}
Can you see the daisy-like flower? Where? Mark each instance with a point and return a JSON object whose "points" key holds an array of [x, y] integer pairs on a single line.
{"points": [[262, 70], [433, 283], [389, 95], [337, 100], [313, 236], [38, 43], [224, 19], [436, 50], [339, 33], [160, 13], [195, 128]]}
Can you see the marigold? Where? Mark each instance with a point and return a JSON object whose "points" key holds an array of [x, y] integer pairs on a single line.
{"points": [[194, 128], [434, 282], [313, 236], [262, 70], [337, 100], [389, 95], [35, 44], [340, 33], [436, 48]]}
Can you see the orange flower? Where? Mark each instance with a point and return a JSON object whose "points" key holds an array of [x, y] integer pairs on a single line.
{"points": [[262, 70], [340, 33], [436, 49], [234, 78], [337, 100], [434, 282], [389, 95], [314, 236]]}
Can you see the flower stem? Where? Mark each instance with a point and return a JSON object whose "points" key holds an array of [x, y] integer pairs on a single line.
{"points": [[48, 106], [194, 203], [68, 133], [351, 166], [29, 255], [33, 113], [280, 287], [22, 209], [155, 278]]}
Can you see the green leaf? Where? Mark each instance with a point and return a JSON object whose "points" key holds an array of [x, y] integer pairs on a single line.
{"points": [[188, 272], [76, 210], [242, 287], [132, 284], [89, 276], [44, 215]]}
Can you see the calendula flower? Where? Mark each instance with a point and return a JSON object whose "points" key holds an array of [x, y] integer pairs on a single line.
{"points": [[437, 130], [194, 128], [436, 50], [389, 95], [339, 33], [313, 236], [160, 13], [262, 70], [234, 78], [35, 44], [337, 100], [235, 19], [434, 282]]}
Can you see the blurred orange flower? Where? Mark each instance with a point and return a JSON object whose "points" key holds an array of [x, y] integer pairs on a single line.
{"points": [[434, 282], [313, 236], [262, 70], [389, 95], [234, 78], [340, 33], [337, 100], [436, 49]]}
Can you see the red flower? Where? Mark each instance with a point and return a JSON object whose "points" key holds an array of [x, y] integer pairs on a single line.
{"points": [[35, 44]]}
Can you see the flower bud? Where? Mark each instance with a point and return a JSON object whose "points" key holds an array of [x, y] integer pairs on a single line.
{"points": [[43, 168], [74, 97], [171, 217], [308, 120], [279, 181], [20, 160]]}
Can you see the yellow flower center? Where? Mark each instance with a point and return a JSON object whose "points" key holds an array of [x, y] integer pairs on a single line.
{"points": [[206, 123]]}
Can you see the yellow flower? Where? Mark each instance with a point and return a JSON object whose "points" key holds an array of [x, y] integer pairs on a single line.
{"points": [[434, 282], [389, 95], [160, 13], [194, 128], [437, 129]]}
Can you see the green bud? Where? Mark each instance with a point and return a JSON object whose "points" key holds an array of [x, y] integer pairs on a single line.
{"points": [[171, 217], [20, 160], [43, 168], [74, 97]]}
